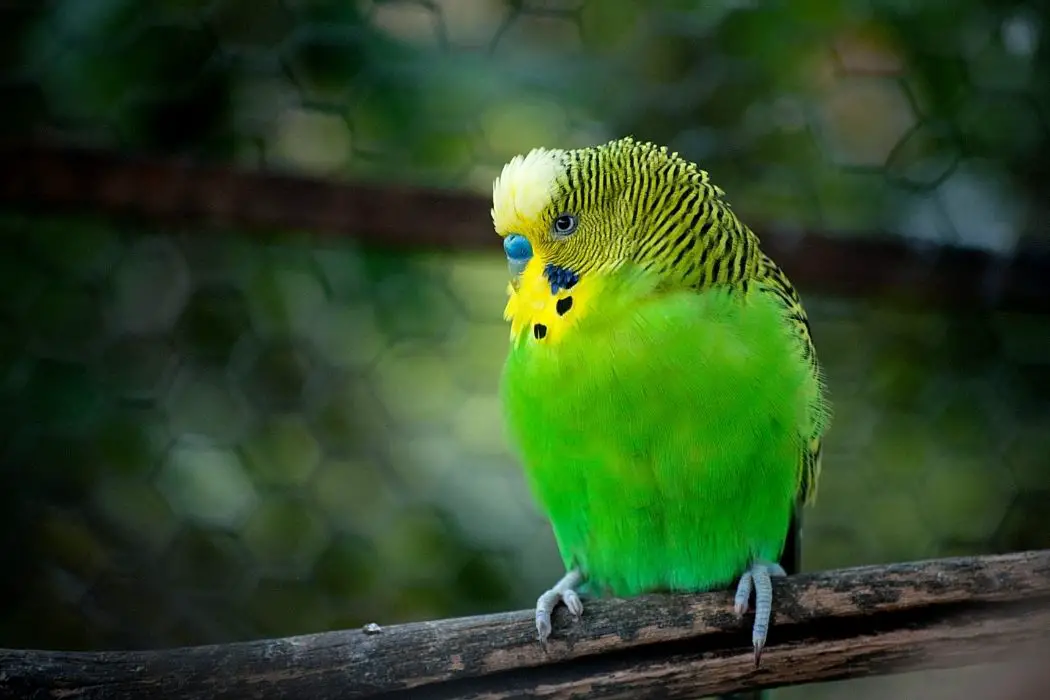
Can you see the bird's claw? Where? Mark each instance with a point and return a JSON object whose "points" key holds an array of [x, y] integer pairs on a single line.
{"points": [[758, 577], [563, 591], [572, 601]]}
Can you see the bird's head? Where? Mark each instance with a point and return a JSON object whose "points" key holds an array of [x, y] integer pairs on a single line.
{"points": [[571, 213]]}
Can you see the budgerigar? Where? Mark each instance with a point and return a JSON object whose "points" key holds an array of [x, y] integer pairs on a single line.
{"points": [[661, 387]]}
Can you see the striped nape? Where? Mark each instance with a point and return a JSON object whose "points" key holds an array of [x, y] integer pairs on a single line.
{"points": [[686, 230]]}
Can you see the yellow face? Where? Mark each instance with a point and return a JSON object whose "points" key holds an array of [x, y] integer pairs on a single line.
{"points": [[540, 316], [530, 201]]}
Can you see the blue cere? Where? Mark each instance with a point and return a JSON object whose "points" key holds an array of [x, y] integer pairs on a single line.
{"points": [[517, 247], [519, 252]]}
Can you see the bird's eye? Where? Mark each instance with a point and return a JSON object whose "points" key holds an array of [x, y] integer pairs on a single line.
{"points": [[565, 225]]}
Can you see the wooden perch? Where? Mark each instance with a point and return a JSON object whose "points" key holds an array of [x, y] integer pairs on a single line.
{"points": [[830, 625], [54, 179]]}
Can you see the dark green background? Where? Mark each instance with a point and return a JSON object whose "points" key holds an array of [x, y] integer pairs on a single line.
{"points": [[209, 437]]}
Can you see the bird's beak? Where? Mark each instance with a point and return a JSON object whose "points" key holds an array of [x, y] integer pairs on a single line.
{"points": [[519, 253]]}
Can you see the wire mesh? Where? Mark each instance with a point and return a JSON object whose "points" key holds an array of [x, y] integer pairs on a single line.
{"points": [[211, 436]]}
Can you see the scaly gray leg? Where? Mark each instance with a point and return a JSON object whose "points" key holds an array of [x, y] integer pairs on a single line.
{"points": [[759, 575], [563, 591]]}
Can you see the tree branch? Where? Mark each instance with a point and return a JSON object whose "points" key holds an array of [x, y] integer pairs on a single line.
{"points": [[830, 625], [163, 191]]}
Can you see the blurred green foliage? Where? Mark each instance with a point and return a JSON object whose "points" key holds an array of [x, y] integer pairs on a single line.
{"points": [[923, 118], [208, 437]]}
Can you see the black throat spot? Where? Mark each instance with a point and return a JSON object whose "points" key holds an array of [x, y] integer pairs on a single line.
{"points": [[560, 277]]}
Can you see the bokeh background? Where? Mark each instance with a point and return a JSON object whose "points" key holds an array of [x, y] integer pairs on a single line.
{"points": [[209, 436]]}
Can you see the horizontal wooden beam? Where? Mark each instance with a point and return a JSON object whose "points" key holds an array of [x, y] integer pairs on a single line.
{"points": [[184, 193], [831, 625]]}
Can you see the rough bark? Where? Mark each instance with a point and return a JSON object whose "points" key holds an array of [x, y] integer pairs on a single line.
{"points": [[830, 625]]}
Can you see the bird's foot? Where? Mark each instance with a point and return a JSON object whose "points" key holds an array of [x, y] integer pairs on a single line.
{"points": [[563, 591], [758, 576]]}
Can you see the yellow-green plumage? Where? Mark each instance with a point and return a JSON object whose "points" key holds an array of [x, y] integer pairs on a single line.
{"points": [[661, 387]]}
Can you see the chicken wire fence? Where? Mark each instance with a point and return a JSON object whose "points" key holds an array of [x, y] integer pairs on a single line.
{"points": [[211, 436]]}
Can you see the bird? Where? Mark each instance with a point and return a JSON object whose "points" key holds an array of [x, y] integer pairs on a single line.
{"points": [[661, 388]]}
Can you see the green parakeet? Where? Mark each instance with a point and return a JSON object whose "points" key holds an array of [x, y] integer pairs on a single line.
{"points": [[661, 386]]}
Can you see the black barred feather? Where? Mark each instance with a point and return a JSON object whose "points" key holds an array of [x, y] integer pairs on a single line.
{"points": [[684, 229]]}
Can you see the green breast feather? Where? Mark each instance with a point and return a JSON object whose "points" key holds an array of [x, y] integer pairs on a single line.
{"points": [[662, 433]]}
